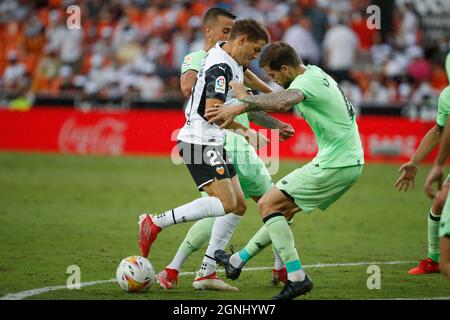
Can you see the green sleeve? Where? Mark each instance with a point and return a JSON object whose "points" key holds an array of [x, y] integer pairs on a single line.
{"points": [[306, 85], [192, 61], [443, 107]]}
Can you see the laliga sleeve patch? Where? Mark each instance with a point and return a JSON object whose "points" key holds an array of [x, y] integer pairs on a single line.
{"points": [[187, 62], [220, 85]]}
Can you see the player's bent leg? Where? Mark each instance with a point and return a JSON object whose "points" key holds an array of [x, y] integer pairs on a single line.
{"points": [[221, 201], [241, 205], [431, 263], [223, 189], [271, 206], [234, 263], [197, 236], [276, 201], [222, 231], [444, 234], [279, 273], [444, 264]]}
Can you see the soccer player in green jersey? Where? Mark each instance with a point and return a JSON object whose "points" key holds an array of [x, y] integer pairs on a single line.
{"points": [[253, 175], [336, 167], [436, 176], [408, 173]]}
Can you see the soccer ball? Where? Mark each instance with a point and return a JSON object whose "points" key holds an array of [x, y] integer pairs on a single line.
{"points": [[135, 274]]}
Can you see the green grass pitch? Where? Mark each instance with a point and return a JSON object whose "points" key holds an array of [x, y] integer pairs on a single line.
{"points": [[57, 211]]}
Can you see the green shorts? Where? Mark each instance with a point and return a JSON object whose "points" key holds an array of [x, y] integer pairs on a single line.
{"points": [[444, 226], [311, 187], [253, 176]]}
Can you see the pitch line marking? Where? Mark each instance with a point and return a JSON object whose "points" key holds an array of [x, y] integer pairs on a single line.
{"points": [[33, 292]]}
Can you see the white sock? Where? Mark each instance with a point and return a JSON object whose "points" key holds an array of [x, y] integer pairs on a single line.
{"points": [[278, 263], [178, 261], [221, 233], [195, 210], [296, 276], [236, 260]]}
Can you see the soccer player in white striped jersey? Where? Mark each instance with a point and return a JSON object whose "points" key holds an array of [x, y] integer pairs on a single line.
{"points": [[202, 144], [253, 175]]}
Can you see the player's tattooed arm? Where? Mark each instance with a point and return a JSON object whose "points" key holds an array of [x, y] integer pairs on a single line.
{"points": [[263, 119], [272, 102]]}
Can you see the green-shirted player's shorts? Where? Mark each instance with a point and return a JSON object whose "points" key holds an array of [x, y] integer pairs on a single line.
{"points": [[312, 187], [253, 176], [444, 226]]}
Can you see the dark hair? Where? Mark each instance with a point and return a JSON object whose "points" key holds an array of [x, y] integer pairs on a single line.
{"points": [[251, 28], [212, 14], [277, 54]]}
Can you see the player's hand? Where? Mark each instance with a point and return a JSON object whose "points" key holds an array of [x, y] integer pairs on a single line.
{"points": [[286, 131], [408, 174], [256, 139], [240, 92], [222, 114], [436, 175]]}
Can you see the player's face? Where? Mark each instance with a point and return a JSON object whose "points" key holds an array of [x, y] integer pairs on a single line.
{"points": [[221, 29], [281, 77], [249, 50]]}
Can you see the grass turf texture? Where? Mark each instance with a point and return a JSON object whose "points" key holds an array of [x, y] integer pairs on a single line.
{"points": [[57, 211]]}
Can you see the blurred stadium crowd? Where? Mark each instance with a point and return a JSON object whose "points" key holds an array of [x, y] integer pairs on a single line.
{"points": [[134, 48]]}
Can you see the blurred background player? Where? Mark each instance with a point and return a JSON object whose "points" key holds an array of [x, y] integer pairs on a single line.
{"points": [[436, 175], [335, 169], [408, 174], [253, 175], [201, 144]]}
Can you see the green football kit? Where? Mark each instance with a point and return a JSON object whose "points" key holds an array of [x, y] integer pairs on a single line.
{"points": [[340, 158]]}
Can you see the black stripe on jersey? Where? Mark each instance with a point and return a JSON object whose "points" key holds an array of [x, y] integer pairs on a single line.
{"points": [[209, 90]]}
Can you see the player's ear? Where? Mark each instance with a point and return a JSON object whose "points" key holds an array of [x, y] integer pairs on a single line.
{"points": [[207, 31], [242, 39], [284, 68]]}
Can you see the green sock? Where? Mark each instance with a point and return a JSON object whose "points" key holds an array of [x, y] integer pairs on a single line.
{"points": [[197, 236], [433, 236], [283, 240], [259, 241]]}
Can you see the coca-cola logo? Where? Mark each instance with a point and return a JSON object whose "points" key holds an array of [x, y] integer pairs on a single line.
{"points": [[106, 136]]}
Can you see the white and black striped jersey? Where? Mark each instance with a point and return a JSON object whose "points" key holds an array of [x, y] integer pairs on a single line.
{"points": [[217, 70]]}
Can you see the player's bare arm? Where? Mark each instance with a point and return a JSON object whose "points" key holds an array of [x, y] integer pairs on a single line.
{"points": [[256, 139], [273, 102], [263, 119], [409, 169], [436, 174], [187, 81]]}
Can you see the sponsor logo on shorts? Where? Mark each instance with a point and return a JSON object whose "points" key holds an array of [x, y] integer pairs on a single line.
{"points": [[284, 182], [220, 170], [220, 85]]}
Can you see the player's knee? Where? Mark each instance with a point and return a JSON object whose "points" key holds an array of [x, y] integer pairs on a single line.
{"points": [[241, 207], [264, 207], [229, 203]]}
